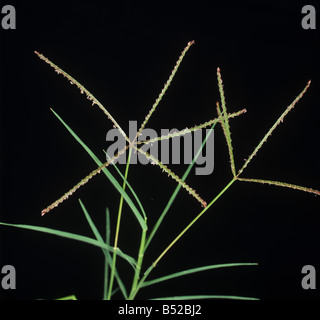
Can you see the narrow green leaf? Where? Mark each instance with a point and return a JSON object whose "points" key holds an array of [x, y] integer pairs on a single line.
{"points": [[106, 265], [111, 178], [72, 297], [194, 270], [108, 257], [130, 188], [108, 227], [177, 189], [76, 237], [172, 243], [171, 174], [91, 223]]}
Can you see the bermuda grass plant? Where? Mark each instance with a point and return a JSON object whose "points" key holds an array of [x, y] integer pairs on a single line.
{"points": [[142, 277]]}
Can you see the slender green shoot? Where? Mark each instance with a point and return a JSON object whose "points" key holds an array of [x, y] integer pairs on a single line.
{"points": [[107, 173], [98, 236], [71, 297], [193, 221], [154, 264], [110, 270], [177, 189], [76, 237], [139, 264], [91, 223], [129, 187], [194, 270], [106, 265], [113, 268]]}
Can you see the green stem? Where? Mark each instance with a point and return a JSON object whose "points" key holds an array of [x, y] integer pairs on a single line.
{"points": [[145, 275], [194, 220], [181, 234], [139, 264], [118, 229]]}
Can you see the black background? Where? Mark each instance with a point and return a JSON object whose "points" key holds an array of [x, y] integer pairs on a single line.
{"points": [[123, 52]]}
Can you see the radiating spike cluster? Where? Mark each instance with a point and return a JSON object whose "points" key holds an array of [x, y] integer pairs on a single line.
{"points": [[115, 124], [223, 118], [89, 95]]}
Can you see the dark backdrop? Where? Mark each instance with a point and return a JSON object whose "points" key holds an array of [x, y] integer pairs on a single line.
{"points": [[123, 52]]}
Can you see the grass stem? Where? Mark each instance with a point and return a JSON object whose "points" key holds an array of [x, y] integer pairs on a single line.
{"points": [[194, 221], [118, 228], [180, 235]]}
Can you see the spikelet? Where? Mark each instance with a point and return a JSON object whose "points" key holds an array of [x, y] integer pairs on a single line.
{"points": [[82, 89], [82, 182], [192, 129], [225, 122], [166, 86], [281, 184], [280, 120]]}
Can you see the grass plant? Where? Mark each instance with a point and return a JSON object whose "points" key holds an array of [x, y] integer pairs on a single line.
{"points": [[142, 273]]}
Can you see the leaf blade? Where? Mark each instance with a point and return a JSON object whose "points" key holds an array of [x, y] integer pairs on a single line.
{"points": [[73, 236], [177, 189], [89, 95], [108, 174], [194, 270]]}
